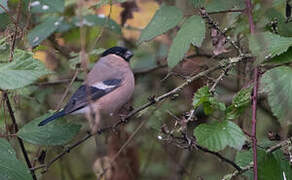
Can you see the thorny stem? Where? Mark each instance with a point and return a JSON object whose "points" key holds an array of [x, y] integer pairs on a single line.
{"points": [[254, 96]]}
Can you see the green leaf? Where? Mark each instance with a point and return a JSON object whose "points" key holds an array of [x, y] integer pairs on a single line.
{"points": [[277, 83], [4, 4], [44, 30], [210, 103], [164, 19], [192, 31], [283, 58], [22, 71], [45, 6], [270, 165], [97, 20], [198, 3], [57, 132], [239, 103], [217, 135], [10, 167], [4, 51], [267, 44], [222, 5]]}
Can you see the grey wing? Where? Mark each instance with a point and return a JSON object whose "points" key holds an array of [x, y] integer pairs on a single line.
{"points": [[85, 94]]}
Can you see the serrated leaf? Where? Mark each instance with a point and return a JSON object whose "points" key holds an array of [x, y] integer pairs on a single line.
{"points": [[43, 30], [10, 167], [277, 83], [22, 71], [282, 58], [239, 103], [267, 44], [57, 132], [4, 4], [270, 165], [191, 32], [205, 98], [45, 6], [97, 20], [218, 135], [164, 19]]}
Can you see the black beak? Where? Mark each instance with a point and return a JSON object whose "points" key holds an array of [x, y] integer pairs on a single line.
{"points": [[128, 55]]}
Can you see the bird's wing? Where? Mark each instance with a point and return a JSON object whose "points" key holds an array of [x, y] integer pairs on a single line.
{"points": [[90, 93]]}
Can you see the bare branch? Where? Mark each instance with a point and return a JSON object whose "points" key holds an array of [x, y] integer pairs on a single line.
{"points": [[23, 150]]}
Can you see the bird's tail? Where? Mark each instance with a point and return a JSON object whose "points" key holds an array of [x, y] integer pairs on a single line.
{"points": [[53, 117]]}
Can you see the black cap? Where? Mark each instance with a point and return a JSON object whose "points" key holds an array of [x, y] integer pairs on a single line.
{"points": [[120, 51]]}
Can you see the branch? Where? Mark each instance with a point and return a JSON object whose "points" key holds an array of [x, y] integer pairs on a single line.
{"points": [[152, 101], [236, 173], [227, 11], [24, 152], [125, 119], [224, 159], [12, 47], [10, 16], [280, 145], [214, 25], [185, 142], [67, 150], [269, 150], [254, 96]]}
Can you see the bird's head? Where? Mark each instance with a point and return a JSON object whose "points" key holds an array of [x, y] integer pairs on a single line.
{"points": [[119, 51]]}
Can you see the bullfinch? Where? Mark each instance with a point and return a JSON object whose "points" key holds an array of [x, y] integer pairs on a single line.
{"points": [[110, 84]]}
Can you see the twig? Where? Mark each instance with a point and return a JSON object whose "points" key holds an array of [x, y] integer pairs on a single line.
{"points": [[280, 145], [225, 71], [24, 152], [10, 16], [224, 159], [187, 143], [132, 113], [254, 96], [236, 173], [147, 70], [68, 149], [227, 11], [269, 150], [125, 119], [214, 25], [57, 82], [15, 31], [122, 148], [67, 88]]}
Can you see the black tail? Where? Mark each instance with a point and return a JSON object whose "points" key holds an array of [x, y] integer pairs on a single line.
{"points": [[53, 117]]}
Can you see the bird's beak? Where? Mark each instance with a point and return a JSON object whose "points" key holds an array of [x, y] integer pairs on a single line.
{"points": [[128, 55]]}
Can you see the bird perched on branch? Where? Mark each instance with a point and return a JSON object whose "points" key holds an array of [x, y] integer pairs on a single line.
{"points": [[110, 84]]}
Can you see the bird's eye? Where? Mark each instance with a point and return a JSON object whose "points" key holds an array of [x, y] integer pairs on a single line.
{"points": [[73, 102]]}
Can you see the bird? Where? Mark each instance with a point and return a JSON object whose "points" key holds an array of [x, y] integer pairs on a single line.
{"points": [[109, 85]]}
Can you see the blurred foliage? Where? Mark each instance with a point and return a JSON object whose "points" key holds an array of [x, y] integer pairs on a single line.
{"points": [[171, 42], [11, 167]]}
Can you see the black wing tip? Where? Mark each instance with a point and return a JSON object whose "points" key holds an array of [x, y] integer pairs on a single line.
{"points": [[42, 123], [51, 118]]}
